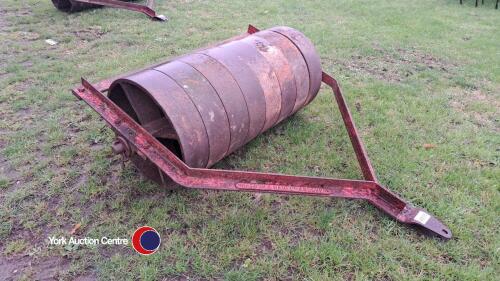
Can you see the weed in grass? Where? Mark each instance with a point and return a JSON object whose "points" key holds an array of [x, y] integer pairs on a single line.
{"points": [[15, 247]]}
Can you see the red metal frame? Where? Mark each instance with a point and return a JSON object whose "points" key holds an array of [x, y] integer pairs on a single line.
{"points": [[144, 144], [147, 9]]}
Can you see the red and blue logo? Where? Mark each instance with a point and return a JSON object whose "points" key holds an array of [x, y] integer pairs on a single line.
{"points": [[146, 240]]}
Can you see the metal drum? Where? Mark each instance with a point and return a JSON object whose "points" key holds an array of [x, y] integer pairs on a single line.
{"points": [[71, 6], [207, 104]]}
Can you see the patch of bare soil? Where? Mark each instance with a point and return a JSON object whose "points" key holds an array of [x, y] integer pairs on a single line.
{"points": [[22, 86], [462, 99], [7, 171], [397, 65], [47, 268], [86, 277], [5, 12], [90, 33], [26, 35]]}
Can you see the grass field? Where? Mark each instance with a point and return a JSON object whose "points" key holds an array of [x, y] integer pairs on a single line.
{"points": [[415, 74]]}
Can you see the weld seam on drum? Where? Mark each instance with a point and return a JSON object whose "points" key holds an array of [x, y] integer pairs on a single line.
{"points": [[307, 65], [272, 79], [310, 57], [282, 71], [194, 147], [223, 106], [266, 78], [208, 104], [298, 63], [204, 122], [243, 75], [232, 99]]}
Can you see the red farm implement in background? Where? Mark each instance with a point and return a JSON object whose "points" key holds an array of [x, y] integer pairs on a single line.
{"points": [[71, 6], [175, 119]]}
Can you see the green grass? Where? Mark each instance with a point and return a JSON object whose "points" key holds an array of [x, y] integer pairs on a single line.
{"points": [[413, 73]]}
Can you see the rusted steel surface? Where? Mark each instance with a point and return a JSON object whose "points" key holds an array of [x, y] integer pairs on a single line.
{"points": [[296, 63], [190, 98], [265, 79], [237, 91], [277, 73], [170, 97], [72, 6], [310, 55], [230, 94], [253, 93], [208, 104]]}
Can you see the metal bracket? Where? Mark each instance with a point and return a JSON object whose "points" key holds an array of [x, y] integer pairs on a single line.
{"points": [[143, 143]]}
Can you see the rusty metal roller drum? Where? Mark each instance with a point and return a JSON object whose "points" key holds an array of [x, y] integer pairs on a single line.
{"points": [[207, 104]]}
